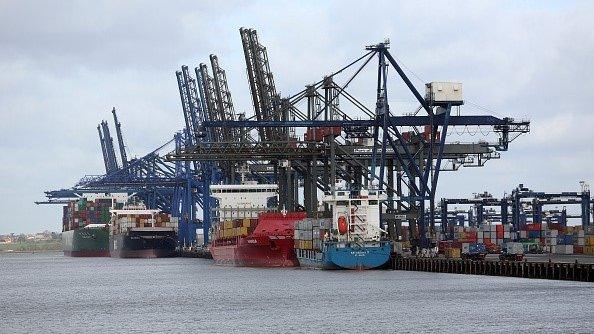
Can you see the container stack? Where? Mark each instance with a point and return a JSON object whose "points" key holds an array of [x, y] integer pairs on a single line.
{"points": [[230, 229], [514, 248], [452, 253], [303, 235], [80, 213], [310, 233], [453, 249], [495, 234], [535, 237], [589, 244], [318, 134], [553, 238], [146, 220]]}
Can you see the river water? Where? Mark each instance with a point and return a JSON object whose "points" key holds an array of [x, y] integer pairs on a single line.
{"points": [[50, 293]]}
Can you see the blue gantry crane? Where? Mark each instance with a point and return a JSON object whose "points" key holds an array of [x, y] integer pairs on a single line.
{"points": [[408, 168], [173, 188], [522, 206], [362, 147]]}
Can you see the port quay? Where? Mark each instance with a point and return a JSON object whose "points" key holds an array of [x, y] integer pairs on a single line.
{"points": [[320, 179], [297, 167]]}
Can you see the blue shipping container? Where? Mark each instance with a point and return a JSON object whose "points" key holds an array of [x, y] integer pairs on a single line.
{"points": [[477, 248]]}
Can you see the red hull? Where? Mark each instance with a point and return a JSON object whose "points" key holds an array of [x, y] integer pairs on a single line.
{"points": [[87, 253], [246, 254], [269, 245]]}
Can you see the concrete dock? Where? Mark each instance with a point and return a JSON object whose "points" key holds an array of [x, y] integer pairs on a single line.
{"points": [[535, 266]]}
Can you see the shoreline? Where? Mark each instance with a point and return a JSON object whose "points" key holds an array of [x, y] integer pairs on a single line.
{"points": [[30, 251]]}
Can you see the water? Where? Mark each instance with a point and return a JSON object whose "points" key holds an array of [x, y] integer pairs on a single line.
{"points": [[50, 293]]}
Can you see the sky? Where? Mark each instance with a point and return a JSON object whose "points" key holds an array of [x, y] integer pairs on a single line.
{"points": [[65, 64]]}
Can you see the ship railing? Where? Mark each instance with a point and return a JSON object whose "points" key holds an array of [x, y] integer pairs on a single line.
{"points": [[358, 222], [360, 243]]}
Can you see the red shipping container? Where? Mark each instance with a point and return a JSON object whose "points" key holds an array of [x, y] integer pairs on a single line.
{"points": [[578, 249], [427, 136], [500, 234], [406, 136], [542, 241], [444, 245], [556, 226], [487, 241], [335, 130]]}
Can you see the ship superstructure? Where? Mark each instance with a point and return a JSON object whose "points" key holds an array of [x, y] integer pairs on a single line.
{"points": [[136, 231], [247, 229], [351, 239]]}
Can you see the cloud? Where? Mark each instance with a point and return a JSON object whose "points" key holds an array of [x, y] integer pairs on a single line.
{"points": [[65, 65]]}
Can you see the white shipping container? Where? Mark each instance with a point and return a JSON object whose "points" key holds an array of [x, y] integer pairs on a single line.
{"points": [[514, 248], [479, 234], [506, 235], [581, 241], [551, 241], [523, 234], [397, 247], [564, 249], [465, 247], [553, 233]]}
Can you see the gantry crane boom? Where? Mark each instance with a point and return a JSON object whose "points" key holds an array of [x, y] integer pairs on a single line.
{"points": [[194, 105], [224, 100], [118, 127], [108, 140], [185, 107], [103, 149], [265, 98], [210, 98]]}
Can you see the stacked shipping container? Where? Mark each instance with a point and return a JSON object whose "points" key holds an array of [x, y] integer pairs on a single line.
{"points": [[146, 220], [230, 229], [536, 237], [309, 233], [82, 212]]}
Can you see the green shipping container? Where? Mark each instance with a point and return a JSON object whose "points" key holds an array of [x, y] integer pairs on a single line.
{"points": [[104, 217], [82, 204]]}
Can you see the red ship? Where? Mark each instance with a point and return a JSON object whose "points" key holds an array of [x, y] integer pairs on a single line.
{"points": [[270, 243], [246, 233]]}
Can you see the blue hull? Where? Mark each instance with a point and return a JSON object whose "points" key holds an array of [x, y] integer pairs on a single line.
{"points": [[341, 256]]}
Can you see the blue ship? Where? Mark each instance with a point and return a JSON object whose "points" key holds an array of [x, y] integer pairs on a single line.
{"points": [[342, 256], [351, 239]]}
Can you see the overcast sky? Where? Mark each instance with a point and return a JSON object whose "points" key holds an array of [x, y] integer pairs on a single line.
{"points": [[65, 64]]}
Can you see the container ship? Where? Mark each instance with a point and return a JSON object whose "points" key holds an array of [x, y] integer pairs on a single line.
{"points": [[246, 229], [351, 239], [138, 232], [85, 231]]}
